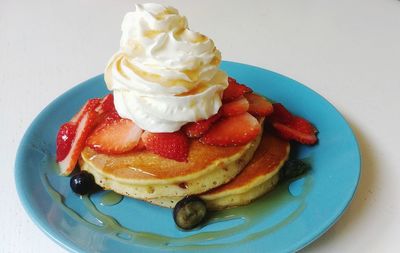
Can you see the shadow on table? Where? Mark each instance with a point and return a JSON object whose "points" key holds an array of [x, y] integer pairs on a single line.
{"points": [[361, 200]]}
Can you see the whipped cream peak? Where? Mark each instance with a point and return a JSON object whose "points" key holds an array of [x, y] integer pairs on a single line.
{"points": [[164, 74]]}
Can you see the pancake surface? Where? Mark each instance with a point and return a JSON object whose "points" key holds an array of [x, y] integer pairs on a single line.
{"points": [[257, 178], [145, 175]]}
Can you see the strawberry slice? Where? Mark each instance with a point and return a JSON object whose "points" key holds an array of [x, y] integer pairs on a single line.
{"points": [[234, 90], [233, 131], [258, 105], [303, 125], [115, 136], [90, 105], [169, 145], [197, 129], [71, 137], [65, 136], [101, 105], [236, 107], [106, 108], [140, 146], [106, 105], [281, 114], [292, 127], [111, 117], [83, 128], [294, 131]]}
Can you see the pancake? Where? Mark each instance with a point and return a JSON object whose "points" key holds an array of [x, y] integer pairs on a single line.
{"points": [[145, 175], [259, 177]]}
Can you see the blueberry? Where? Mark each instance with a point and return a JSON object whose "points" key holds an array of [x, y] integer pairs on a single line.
{"points": [[189, 212], [82, 183], [294, 168]]}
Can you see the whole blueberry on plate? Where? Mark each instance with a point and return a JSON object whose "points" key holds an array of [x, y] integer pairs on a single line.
{"points": [[189, 212], [82, 183]]}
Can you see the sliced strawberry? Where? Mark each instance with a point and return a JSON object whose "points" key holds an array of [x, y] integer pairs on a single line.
{"points": [[72, 136], [115, 137], [140, 146], [233, 131], [106, 105], [258, 105], [197, 129], [65, 136], [111, 117], [281, 114], [236, 107], [234, 90], [90, 105], [303, 125], [291, 132], [292, 127], [169, 145], [83, 129]]}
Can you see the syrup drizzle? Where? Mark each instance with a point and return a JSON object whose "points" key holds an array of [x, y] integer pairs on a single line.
{"points": [[247, 217]]}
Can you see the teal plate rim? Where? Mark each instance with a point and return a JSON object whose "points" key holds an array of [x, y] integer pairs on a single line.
{"points": [[334, 130]]}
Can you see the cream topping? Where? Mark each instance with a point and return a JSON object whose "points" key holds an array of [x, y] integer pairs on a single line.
{"points": [[164, 74]]}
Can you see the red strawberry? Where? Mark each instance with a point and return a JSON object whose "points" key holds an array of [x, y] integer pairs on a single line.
{"points": [[258, 105], [83, 128], [234, 90], [197, 129], [233, 131], [281, 114], [106, 105], [90, 105], [139, 146], [169, 145], [106, 108], [295, 131], [111, 117], [72, 136], [115, 136], [236, 107], [65, 136], [292, 127], [303, 125]]}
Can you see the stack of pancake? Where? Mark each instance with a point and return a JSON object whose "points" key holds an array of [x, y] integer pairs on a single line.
{"points": [[221, 176]]}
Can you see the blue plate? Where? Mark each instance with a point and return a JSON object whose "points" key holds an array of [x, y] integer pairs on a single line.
{"points": [[287, 219]]}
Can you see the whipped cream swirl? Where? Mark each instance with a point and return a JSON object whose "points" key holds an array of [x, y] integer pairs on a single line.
{"points": [[164, 74]]}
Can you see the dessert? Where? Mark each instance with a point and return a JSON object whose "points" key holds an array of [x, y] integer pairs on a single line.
{"points": [[259, 176], [175, 125]]}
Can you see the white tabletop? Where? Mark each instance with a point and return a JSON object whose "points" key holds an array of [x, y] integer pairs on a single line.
{"points": [[347, 51]]}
